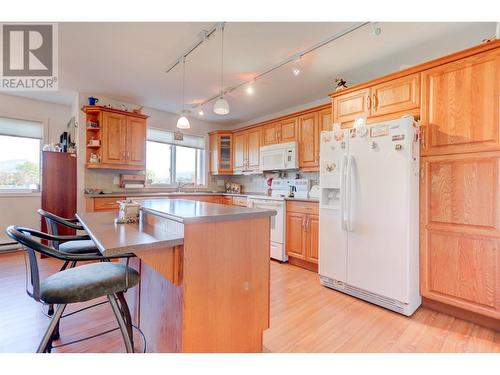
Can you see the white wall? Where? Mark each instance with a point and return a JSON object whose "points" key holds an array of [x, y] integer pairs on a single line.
{"points": [[21, 209]]}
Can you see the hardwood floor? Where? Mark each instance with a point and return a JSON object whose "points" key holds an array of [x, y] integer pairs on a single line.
{"points": [[305, 317]]}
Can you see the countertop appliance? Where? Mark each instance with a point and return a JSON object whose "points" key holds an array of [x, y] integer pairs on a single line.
{"points": [[281, 187], [369, 179], [279, 157]]}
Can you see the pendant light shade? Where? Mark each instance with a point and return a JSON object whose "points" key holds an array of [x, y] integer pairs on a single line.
{"points": [[221, 106], [183, 122]]}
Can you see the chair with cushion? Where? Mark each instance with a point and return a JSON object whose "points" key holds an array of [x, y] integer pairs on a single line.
{"points": [[78, 284], [83, 245]]}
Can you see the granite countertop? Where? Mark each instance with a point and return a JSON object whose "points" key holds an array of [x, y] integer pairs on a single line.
{"points": [[189, 211], [162, 194]]}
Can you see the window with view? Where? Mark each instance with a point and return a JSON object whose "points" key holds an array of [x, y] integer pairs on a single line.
{"points": [[20, 144], [171, 162]]}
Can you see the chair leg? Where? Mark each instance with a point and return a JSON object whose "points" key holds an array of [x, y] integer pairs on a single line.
{"points": [[121, 323], [126, 315], [46, 343]]}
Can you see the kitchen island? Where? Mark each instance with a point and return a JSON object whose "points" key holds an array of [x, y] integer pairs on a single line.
{"points": [[204, 273]]}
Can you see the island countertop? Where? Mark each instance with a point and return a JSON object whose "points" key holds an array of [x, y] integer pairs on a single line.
{"points": [[190, 212]]}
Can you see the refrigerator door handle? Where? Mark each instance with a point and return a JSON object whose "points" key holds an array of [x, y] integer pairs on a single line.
{"points": [[348, 220], [343, 192]]}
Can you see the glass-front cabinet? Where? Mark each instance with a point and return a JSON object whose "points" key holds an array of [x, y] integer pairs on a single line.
{"points": [[221, 160]]}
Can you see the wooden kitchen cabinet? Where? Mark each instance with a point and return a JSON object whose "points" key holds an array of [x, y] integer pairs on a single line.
{"points": [[398, 95], [114, 138], [289, 131], [325, 119], [350, 106], [461, 105], [119, 139], [302, 234], [246, 152], [221, 152], [460, 232], [270, 133], [309, 141]]}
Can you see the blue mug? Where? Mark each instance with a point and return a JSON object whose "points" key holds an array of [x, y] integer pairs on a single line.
{"points": [[93, 101]]}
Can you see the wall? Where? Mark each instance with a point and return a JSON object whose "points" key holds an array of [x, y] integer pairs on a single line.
{"points": [[21, 208]]}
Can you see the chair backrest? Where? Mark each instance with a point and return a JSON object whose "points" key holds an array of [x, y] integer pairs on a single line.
{"points": [[27, 238], [51, 226]]}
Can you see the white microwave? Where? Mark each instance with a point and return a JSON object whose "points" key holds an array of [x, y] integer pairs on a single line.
{"points": [[279, 157]]}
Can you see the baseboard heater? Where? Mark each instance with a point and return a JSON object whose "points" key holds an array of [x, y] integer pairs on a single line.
{"points": [[374, 298]]}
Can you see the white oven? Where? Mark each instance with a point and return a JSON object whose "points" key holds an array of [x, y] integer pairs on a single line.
{"points": [[277, 224]]}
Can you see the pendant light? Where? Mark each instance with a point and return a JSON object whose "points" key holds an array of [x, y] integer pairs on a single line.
{"points": [[221, 106], [183, 122]]}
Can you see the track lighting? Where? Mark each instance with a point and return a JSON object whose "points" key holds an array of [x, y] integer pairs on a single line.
{"points": [[296, 71], [250, 90], [221, 106], [200, 111], [376, 29]]}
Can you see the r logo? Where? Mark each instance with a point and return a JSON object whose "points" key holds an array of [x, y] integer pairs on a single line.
{"points": [[27, 50]]}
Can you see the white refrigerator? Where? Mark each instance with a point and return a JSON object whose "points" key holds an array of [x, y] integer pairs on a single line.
{"points": [[369, 246]]}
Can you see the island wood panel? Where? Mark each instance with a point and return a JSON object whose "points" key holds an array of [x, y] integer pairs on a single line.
{"points": [[226, 286], [114, 138], [160, 312], [460, 231], [398, 95], [460, 105]]}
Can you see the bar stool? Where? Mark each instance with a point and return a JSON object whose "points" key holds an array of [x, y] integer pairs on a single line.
{"points": [[78, 284]]}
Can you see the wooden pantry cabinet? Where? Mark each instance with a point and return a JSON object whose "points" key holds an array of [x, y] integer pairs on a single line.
{"points": [[460, 231], [302, 234], [116, 138], [461, 105]]}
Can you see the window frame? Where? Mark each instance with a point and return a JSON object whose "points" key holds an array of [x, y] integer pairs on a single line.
{"points": [[45, 123], [173, 156]]}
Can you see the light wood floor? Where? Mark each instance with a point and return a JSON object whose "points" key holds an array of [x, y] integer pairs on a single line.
{"points": [[305, 317]]}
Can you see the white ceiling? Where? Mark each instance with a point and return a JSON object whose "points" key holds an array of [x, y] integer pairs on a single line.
{"points": [[127, 61]]}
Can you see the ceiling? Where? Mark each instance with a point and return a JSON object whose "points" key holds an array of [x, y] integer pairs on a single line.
{"points": [[127, 61]]}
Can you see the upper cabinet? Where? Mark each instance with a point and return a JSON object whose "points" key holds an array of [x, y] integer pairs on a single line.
{"points": [[289, 131], [397, 96], [270, 133], [246, 150], [325, 119], [221, 155], [348, 107], [115, 139], [460, 105], [309, 141]]}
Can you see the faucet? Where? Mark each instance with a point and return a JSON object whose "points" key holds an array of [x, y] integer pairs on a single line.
{"points": [[180, 185]]}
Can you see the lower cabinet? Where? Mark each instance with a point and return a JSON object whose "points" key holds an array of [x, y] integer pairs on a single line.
{"points": [[460, 232], [302, 234]]}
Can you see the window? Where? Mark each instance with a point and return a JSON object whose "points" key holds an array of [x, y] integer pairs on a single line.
{"points": [[20, 145], [170, 161]]}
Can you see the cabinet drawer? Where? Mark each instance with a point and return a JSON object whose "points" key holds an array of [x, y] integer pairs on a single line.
{"points": [[302, 207], [240, 201], [106, 204]]}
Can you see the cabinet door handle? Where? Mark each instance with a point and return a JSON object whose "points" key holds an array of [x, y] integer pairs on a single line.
{"points": [[375, 101], [368, 102]]}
